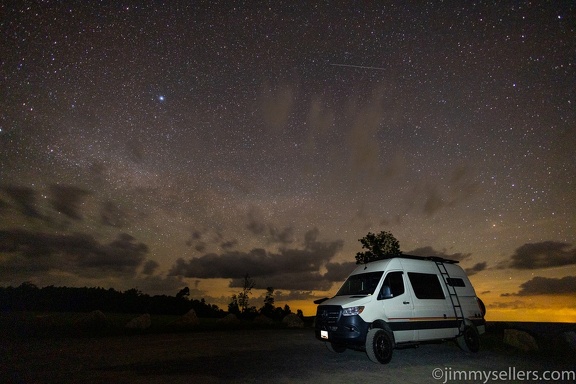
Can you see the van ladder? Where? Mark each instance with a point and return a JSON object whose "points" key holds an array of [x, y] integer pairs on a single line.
{"points": [[454, 299]]}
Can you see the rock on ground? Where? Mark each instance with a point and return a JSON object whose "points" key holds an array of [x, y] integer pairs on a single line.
{"points": [[520, 339], [140, 322], [293, 321], [188, 320]]}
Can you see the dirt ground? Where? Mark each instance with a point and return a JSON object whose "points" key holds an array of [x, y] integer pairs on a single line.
{"points": [[255, 356]]}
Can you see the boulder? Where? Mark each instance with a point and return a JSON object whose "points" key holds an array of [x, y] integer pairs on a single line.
{"points": [[520, 339], [188, 320], [140, 322], [293, 321]]}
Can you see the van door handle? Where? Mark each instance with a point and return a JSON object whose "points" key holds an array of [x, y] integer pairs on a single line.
{"points": [[405, 302]]}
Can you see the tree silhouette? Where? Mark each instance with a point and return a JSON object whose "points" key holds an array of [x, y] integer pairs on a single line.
{"points": [[233, 306], [380, 246], [244, 295], [268, 308], [183, 293], [28, 297]]}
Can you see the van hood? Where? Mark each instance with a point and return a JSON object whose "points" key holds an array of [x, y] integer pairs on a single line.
{"points": [[349, 300]]}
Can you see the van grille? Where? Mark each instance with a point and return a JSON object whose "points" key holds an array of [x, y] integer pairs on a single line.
{"points": [[328, 314]]}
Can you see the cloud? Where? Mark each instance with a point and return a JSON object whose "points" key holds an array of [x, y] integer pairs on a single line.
{"points": [[517, 304], [478, 267], [25, 199], [365, 150], [160, 285], [76, 253], [277, 105], [303, 281], [289, 281], [293, 295], [429, 251], [112, 215], [546, 254], [288, 268], [434, 201], [283, 236], [548, 286], [339, 271], [3, 206], [319, 119], [195, 240], [200, 240], [258, 227], [67, 199], [255, 224], [229, 244], [149, 267], [462, 186], [257, 262]]}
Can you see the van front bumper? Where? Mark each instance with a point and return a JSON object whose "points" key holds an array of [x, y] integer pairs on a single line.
{"points": [[344, 330]]}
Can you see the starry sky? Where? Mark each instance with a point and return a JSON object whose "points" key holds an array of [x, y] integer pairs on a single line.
{"points": [[163, 144]]}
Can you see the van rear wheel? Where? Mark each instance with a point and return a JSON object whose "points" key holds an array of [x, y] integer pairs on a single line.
{"points": [[469, 340], [379, 345], [336, 348]]}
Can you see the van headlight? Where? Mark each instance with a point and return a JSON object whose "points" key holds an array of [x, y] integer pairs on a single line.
{"points": [[352, 311]]}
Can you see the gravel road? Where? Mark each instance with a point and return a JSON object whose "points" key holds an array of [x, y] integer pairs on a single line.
{"points": [[254, 356]]}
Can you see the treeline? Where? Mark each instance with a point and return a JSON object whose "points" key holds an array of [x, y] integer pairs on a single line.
{"points": [[28, 297]]}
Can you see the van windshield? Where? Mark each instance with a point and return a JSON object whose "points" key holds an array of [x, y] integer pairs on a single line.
{"points": [[360, 284]]}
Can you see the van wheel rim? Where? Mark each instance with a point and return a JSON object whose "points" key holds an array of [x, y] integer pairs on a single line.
{"points": [[380, 346]]}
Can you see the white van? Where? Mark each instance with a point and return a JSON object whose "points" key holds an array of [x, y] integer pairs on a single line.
{"points": [[401, 301]]}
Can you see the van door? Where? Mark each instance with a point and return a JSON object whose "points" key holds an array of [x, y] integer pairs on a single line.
{"points": [[432, 309], [398, 306]]}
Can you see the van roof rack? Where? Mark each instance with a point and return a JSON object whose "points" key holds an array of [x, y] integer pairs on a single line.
{"points": [[430, 258]]}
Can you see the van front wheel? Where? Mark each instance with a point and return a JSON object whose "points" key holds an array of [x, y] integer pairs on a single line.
{"points": [[469, 340], [379, 345]]}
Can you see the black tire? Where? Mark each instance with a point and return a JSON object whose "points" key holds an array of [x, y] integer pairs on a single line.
{"points": [[469, 340], [336, 348], [379, 345]]}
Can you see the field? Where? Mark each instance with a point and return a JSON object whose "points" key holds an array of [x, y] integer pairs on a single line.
{"points": [[249, 353]]}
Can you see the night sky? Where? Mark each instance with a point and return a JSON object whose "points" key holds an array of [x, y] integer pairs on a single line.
{"points": [[158, 145]]}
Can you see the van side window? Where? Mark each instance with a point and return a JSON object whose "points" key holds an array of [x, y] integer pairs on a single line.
{"points": [[455, 282], [426, 285], [393, 286]]}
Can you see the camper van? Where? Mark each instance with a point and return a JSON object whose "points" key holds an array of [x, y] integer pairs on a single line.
{"points": [[398, 302]]}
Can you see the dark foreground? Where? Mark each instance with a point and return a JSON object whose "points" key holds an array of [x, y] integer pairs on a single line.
{"points": [[278, 356]]}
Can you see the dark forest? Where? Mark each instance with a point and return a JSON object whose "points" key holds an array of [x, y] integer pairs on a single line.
{"points": [[28, 297]]}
